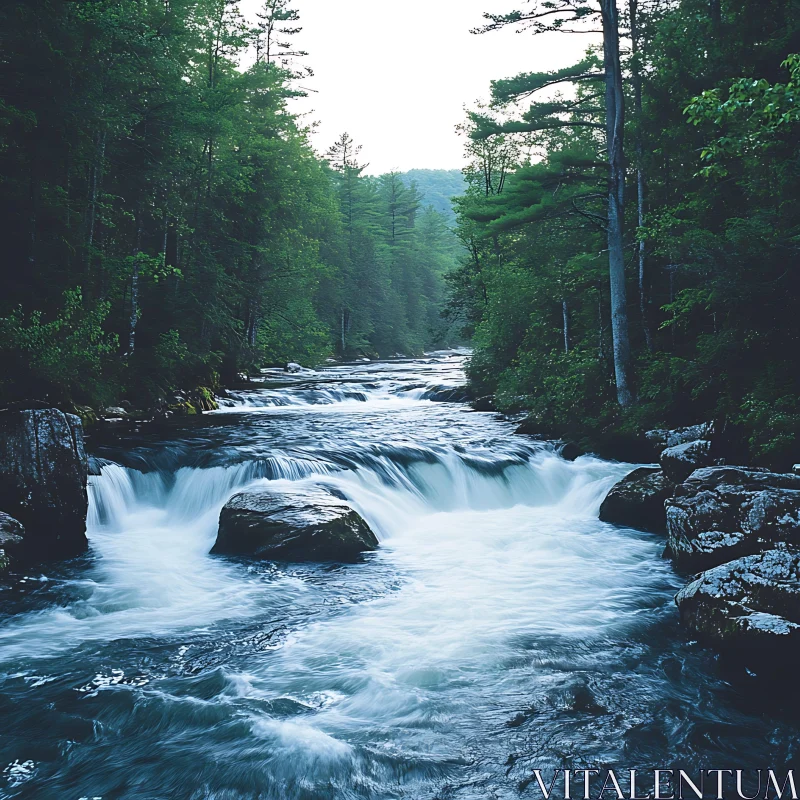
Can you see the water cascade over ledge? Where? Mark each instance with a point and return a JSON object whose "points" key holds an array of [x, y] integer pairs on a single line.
{"points": [[500, 627]]}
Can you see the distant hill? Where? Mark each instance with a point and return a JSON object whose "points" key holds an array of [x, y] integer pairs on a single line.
{"points": [[437, 187]]}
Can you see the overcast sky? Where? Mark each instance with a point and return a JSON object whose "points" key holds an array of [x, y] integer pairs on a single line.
{"points": [[397, 75]]}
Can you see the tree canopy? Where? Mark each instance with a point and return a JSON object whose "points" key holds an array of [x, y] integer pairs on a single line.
{"points": [[709, 229], [165, 219]]}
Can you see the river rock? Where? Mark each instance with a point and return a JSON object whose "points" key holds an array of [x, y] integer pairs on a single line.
{"points": [[663, 438], [637, 501], [203, 399], [447, 394], [751, 604], [292, 525], [293, 368], [43, 474], [569, 451], [11, 539], [682, 460], [722, 513], [485, 403]]}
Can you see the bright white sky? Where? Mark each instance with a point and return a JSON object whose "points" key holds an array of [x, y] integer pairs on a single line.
{"points": [[396, 74]]}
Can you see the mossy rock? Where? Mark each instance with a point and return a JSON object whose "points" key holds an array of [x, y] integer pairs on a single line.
{"points": [[202, 398], [183, 409], [87, 414]]}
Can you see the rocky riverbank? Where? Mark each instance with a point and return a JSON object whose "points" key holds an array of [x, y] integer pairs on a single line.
{"points": [[736, 528], [43, 485]]}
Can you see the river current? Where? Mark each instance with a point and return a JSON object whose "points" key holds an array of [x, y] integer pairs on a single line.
{"points": [[500, 627]]}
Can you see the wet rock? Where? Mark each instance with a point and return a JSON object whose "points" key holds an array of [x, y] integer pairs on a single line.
{"points": [[624, 445], [750, 477], [637, 501], [682, 460], [796, 469], [115, 411], [533, 427], [485, 403], [662, 438], [723, 513], [292, 525], [43, 475], [751, 604], [569, 450], [293, 368], [11, 539], [447, 394], [87, 414], [202, 398]]}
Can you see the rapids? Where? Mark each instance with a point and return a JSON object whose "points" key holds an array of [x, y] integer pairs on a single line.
{"points": [[500, 627]]}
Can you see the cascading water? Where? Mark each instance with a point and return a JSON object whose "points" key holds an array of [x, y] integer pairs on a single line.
{"points": [[500, 626]]}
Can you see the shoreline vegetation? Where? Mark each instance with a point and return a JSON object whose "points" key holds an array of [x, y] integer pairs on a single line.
{"points": [[695, 102]]}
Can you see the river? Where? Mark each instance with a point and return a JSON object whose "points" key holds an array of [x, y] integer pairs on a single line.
{"points": [[500, 627]]}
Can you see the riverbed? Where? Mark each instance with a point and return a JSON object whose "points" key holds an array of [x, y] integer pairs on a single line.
{"points": [[500, 626]]}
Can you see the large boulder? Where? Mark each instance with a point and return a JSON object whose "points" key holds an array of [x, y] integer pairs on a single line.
{"points": [[682, 460], [43, 474], [722, 513], [308, 524], [751, 605], [637, 501], [11, 539]]}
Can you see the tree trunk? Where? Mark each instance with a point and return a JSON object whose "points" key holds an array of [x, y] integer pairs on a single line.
{"points": [[97, 175], [615, 123], [636, 72], [565, 315], [135, 287], [643, 300], [716, 15]]}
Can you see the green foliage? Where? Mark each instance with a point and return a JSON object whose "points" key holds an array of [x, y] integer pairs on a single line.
{"points": [[717, 142], [437, 188], [755, 112], [61, 359], [140, 160]]}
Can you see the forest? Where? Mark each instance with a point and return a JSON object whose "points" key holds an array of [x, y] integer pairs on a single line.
{"points": [[166, 222], [624, 253], [632, 225], [322, 482]]}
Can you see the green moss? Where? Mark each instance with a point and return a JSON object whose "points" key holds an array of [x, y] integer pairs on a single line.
{"points": [[87, 414], [203, 399], [183, 409]]}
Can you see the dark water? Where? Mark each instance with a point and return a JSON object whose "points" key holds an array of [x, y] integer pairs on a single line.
{"points": [[500, 627]]}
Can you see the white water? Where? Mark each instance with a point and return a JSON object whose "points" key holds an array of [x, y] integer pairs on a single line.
{"points": [[491, 561], [502, 542]]}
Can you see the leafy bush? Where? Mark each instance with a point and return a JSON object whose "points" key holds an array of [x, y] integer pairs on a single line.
{"points": [[62, 359]]}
